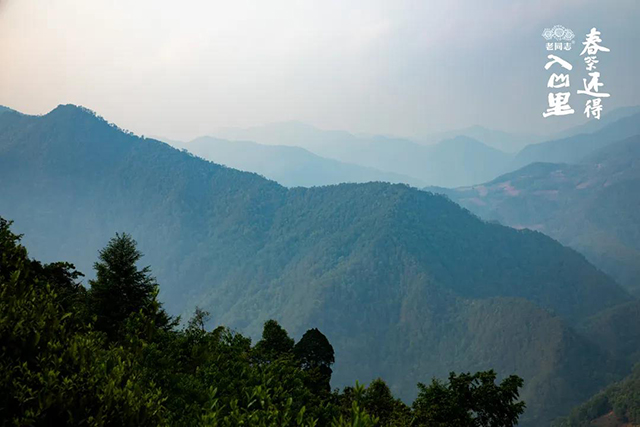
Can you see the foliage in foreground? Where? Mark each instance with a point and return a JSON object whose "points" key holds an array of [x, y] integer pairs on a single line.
{"points": [[110, 355]]}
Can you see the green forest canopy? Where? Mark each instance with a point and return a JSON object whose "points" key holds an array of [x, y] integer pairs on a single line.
{"points": [[110, 355]]}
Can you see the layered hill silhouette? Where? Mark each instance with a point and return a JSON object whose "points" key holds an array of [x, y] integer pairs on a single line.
{"points": [[607, 118], [575, 148], [406, 284], [500, 140], [591, 206], [454, 161], [288, 165]]}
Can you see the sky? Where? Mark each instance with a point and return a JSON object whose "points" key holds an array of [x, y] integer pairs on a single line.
{"points": [[180, 69]]}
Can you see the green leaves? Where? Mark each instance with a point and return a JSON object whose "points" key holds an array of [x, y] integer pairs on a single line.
{"points": [[56, 369], [120, 288], [468, 400]]}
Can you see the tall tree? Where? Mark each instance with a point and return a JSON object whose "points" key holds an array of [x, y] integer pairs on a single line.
{"points": [[54, 370], [316, 355], [275, 342], [468, 400], [121, 288]]}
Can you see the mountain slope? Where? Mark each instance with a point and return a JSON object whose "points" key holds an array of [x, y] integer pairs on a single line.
{"points": [[616, 406], [607, 118], [500, 140], [290, 166], [462, 160], [404, 283], [592, 206], [617, 331], [574, 148], [435, 165], [4, 109]]}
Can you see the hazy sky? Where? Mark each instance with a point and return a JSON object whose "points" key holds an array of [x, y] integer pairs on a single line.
{"points": [[183, 68]]}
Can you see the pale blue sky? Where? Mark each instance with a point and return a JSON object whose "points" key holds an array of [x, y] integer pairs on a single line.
{"points": [[183, 68]]}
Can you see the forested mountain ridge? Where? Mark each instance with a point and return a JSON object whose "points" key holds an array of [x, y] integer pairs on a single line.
{"points": [[591, 206], [616, 331], [443, 289], [109, 355], [616, 406]]}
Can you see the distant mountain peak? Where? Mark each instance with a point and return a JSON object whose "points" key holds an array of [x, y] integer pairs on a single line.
{"points": [[463, 139], [464, 142], [72, 108]]}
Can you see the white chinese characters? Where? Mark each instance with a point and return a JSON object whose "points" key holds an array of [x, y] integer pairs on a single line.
{"points": [[592, 86], [558, 101], [559, 80]]}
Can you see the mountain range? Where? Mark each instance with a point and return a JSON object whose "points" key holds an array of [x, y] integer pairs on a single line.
{"points": [[447, 159], [459, 160], [574, 148], [592, 206], [406, 284], [288, 165], [504, 141]]}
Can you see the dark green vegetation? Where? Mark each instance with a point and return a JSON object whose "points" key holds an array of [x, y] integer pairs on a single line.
{"points": [[405, 284], [593, 206], [618, 331], [110, 355], [616, 406]]}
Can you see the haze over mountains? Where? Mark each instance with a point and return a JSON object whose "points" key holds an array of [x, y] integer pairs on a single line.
{"points": [[573, 149], [363, 262], [448, 163], [448, 159], [288, 165], [500, 140], [592, 206]]}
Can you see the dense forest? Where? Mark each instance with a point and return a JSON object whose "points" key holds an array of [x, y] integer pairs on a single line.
{"points": [[591, 206], [110, 355], [616, 406], [364, 263]]}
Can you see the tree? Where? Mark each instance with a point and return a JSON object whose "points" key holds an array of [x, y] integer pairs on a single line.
{"points": [[314, 350], [469, 401], [199, 319], [120, 288], [315, 354], [378, 401], [356, 415], [275, 342], [54, 370]]}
